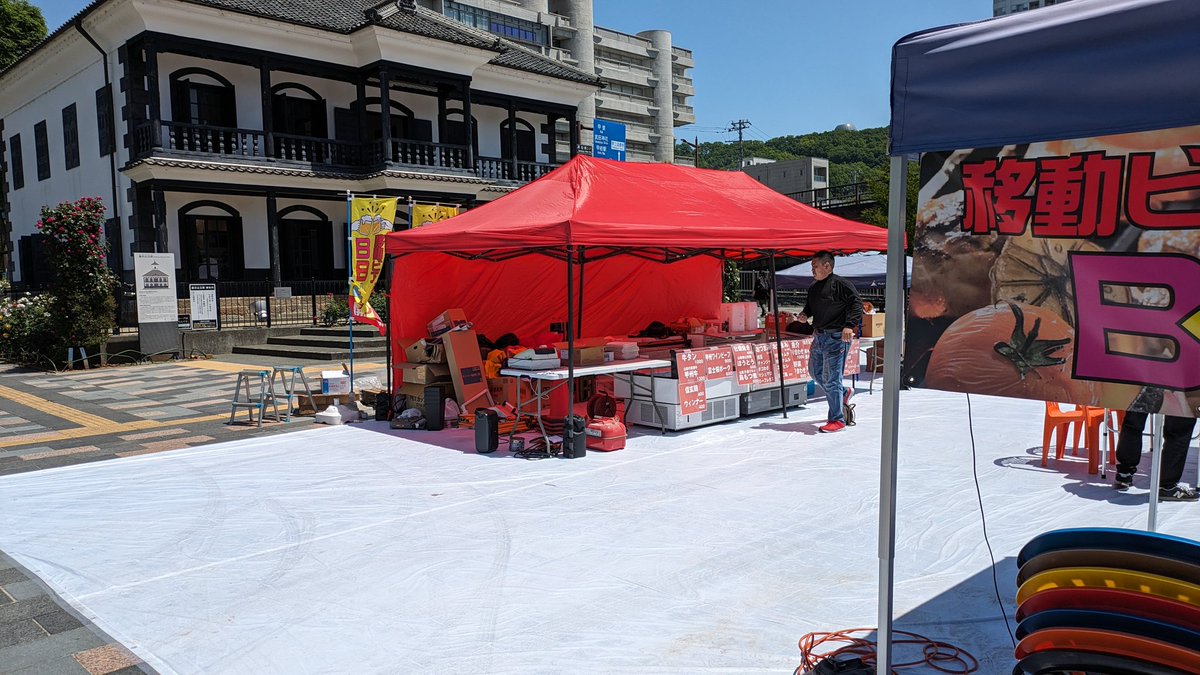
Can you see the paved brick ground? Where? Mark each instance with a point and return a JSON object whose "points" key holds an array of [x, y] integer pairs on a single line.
{"points": [[49, 420]]}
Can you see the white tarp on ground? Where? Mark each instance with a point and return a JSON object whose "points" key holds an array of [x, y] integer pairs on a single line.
{"points": [[355, 549]]}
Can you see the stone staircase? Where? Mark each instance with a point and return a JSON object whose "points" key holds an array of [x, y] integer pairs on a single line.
{"points": [[332, 344]]}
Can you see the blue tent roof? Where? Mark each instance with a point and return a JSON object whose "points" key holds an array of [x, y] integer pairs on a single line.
{"points": [[1073, 70], [864, 270]]}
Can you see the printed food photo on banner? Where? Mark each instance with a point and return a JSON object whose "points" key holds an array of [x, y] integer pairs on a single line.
{"points": [[1063, 271]]}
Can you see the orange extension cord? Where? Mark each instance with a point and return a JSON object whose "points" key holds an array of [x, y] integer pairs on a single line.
{"points": [[940, 656]]}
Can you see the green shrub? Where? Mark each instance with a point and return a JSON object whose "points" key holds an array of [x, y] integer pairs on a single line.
{"points": [[337, 308]]}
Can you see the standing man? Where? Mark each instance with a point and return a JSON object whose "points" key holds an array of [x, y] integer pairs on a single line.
{"points": [[835, 310], [1177, 436]]}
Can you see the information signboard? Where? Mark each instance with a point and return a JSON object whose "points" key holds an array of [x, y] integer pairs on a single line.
{"points": [[204, 306], [608, 140]]}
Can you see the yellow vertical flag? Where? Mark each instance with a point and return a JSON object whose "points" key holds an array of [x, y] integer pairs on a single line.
{"points": [[370, 221], [427, 214]]}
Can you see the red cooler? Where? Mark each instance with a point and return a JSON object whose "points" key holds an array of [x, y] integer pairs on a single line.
{"points": [[605, 434]]}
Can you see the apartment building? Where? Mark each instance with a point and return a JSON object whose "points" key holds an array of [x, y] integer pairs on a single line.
{"points": [[1004, 7], [647, 81], [228, 132]]}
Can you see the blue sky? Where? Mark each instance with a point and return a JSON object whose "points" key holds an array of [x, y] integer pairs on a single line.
{"points": [[788, 66]]}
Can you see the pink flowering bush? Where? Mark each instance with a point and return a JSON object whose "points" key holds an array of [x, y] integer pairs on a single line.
{"points": [[82, 305]]}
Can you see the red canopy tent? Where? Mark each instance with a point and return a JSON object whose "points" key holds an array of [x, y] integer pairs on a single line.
{"points": [[622, 222]]}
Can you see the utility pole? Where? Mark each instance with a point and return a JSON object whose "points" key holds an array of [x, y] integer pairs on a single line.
{"points": [[739, 126], [695, 150]]}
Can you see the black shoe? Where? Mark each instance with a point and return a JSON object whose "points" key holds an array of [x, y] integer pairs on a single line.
{"points": [[1123, 482], [1178, 493]]}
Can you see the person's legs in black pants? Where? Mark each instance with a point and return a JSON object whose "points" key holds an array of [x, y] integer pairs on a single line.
{"points": [[1129, 445], [1177, 436]]}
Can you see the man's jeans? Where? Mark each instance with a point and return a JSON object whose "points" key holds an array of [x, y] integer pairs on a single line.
{"points": [[826, 363]]}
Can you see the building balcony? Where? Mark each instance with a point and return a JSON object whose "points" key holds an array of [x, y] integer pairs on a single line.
{"points": [[623, 43], [683, 87], [322, 154], [683, 57], [635, 105], [641, 77]]}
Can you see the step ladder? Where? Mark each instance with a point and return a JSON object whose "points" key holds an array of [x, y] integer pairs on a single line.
{"points": [[285, 377], [252, 392]]}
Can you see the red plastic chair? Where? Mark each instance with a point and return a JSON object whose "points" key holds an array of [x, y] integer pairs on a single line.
{"points": [[1059, 421], [1094, 419]]}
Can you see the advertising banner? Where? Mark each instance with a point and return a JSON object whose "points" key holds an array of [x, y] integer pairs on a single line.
{"points": [[1063, 271], [370, 221], [426, 214], [155, 280]]}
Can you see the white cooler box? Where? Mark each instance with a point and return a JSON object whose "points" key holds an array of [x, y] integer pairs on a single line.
{"points": [[666, 389], [762, 400], [641, 412]]}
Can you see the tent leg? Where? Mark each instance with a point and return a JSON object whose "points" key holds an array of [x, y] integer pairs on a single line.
{"points": [[778, 338], [1156, 446], [388, 359], [579, 312], [568, 433], [893, 328]]}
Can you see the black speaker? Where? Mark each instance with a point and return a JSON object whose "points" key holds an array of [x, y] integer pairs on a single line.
{"points": [[487, 431], [435, 407], [574, 437], [383, 406]]}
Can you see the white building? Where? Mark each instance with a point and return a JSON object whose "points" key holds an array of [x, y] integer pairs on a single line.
{"points": [[647, 85], [792, 177], [227, 132]]}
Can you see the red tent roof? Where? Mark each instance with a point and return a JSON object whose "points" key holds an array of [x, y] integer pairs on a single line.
{"points": [[657, 211]]}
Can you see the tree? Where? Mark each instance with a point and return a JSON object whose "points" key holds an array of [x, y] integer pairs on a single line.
{"points": [[21, 28], [878, 186]]}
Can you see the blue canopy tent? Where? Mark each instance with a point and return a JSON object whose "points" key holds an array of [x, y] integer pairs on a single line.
{"points": [[864, 270], [1077, 69]]}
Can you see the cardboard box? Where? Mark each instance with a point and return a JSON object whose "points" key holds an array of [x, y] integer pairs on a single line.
{"points": [[584, 356], [414, 395], [466, 370], [872, 325], [446, 322], [323, 401], [419, 350], [334, 382], [504, 390], [424, 373]]}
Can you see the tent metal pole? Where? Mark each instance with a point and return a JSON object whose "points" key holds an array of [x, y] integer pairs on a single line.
{"points": [[579, 312], [893, 328], [388, 361], [571, 319], [1156, 446], [778, 338]]}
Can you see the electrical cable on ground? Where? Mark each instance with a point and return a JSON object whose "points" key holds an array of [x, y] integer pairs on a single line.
{"points": [[983, 521], [851, 652]]}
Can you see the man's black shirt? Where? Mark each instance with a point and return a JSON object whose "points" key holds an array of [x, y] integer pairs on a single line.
{"points": [[833, 304]]}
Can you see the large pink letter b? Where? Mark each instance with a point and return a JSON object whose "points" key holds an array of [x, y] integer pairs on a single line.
{"points": [[1096, 319]]}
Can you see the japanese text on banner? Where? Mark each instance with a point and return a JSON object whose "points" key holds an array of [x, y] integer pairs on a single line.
{"points": [[371, 220]]}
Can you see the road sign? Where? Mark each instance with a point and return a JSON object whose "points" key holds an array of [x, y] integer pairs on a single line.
{"points": [[608, 140]]}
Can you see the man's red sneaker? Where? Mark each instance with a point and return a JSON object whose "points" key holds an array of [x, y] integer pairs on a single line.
{"points": [[832, 427]]}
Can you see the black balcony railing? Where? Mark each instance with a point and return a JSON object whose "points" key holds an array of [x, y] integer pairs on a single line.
{"points": [[214, 140], [325, 152], [425, 153], [848, 194], [495, 168]]}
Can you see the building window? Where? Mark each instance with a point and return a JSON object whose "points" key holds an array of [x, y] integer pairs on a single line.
{"points": [[526, 141], [41, 146], [70, 137], [16, 162], [104, 121], [200, 103], [298, 115], [499, 24], [820, 174], [213, 247]]}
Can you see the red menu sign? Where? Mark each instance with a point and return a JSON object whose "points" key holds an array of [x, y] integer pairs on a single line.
{"points": [[744, 363], [718, 363], [692, 398], [767, 362]]}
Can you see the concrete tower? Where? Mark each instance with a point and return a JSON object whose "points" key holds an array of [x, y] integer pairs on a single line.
{"points": [[664, 121]]}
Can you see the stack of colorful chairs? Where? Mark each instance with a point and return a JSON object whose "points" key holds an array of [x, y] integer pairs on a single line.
{"points": [[1107, 601]]}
